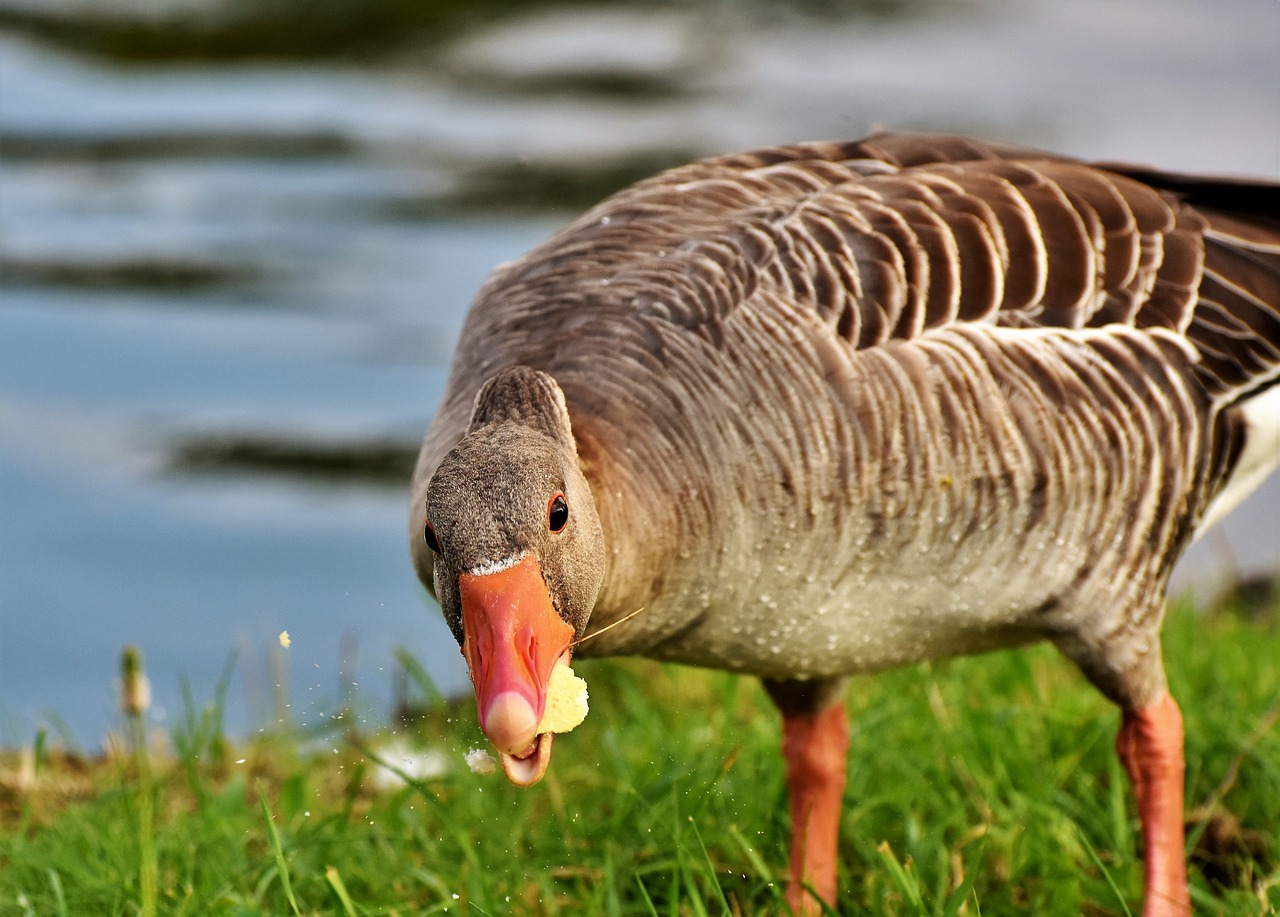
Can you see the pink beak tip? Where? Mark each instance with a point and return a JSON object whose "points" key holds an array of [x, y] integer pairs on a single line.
{"points": [[510, 722]]}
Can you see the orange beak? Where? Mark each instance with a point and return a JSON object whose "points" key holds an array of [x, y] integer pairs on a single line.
{"points": [[514, 638]]}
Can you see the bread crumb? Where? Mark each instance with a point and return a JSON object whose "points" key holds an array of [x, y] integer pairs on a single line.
{"points": [[480, 762], [566, 701]]}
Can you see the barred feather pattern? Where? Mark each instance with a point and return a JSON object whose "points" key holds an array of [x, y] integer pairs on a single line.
{"points": [[849, 405]]}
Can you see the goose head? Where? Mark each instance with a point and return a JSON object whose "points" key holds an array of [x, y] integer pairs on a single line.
{"points": [[517, 556]]}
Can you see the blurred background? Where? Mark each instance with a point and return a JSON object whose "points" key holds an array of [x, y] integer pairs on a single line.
{"points": [[238, 238]]}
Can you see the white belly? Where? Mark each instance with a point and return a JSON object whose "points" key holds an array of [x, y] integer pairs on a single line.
{"points": [[884, 610]]}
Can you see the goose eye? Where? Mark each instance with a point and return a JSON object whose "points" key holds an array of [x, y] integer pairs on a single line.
{"points": [[432, 542], [557, 513]]}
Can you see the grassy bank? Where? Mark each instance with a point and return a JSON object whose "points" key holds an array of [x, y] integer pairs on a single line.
{"points": [[979, 786]]}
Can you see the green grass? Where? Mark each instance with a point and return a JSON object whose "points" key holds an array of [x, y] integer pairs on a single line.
{"points": [[983, 786]]}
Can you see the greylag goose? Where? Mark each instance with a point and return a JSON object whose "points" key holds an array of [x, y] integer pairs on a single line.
{"points": [[831, 408]]}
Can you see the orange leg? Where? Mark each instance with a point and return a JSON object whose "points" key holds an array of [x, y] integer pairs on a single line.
{"points": [[1150, 746], [815, 747]]}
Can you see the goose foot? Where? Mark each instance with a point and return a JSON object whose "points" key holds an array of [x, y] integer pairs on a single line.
{"points": [[1150, 746]]}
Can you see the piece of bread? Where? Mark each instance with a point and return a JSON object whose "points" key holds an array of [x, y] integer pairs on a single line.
{"points": [[480, 762], [566, 701]]}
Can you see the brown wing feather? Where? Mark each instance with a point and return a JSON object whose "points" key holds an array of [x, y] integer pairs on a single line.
{"points": [[899, 233], [895, 237]]}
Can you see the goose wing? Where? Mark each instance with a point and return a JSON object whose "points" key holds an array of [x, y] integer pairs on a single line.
{"points": [[896, 238], [892, 236]]}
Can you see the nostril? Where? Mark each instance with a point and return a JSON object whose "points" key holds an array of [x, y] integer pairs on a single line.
{"points": [[531, 655]]}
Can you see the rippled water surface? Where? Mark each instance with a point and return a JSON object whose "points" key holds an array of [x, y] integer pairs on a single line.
{"points": [[229, 289]]}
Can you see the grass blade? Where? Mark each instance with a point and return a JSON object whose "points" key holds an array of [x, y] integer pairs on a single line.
{"points": [[711, 868], [903, 877], [59, 896], [1106, 874], [281, 866], [758, 864], [334, 879], [413, 670], [644, 893]]}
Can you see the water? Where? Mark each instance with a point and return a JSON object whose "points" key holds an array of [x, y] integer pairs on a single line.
{"points": [[284, 253]]}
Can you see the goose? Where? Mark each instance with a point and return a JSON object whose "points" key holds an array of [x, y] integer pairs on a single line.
{"points": [[830, 408]]}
